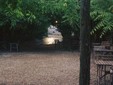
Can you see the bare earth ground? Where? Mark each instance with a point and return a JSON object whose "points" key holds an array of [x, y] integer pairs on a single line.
{"points": [[57, 68]]}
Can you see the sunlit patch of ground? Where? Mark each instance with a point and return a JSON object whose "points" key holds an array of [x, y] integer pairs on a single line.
{"points": [[57, 68]]}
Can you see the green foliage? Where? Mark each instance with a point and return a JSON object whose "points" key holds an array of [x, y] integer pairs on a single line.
{"points": [[72, 12], [42, 13], [11, 12], [102, 15]]}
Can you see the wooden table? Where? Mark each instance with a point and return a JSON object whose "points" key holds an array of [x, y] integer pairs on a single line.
{"points": [[104, 68]]}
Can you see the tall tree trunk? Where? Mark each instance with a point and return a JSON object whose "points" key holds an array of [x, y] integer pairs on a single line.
{"points": [[85, 43]]}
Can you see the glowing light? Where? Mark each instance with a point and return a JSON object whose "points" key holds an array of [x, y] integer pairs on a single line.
{"points": [[49, 41], [56, 21]]}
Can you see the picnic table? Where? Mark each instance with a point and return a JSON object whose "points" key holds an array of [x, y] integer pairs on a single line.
{"points": [[104, 63], [104, 69]]}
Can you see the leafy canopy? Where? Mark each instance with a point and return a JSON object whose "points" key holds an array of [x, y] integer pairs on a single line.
{"points": [[66, 12]]}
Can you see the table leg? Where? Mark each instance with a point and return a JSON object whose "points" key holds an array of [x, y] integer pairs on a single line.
{"points": [[101, 68], [105, 75], [98, 74], [111, 75]]}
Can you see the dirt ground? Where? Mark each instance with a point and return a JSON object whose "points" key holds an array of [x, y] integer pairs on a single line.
{"points": [[41, 68]]}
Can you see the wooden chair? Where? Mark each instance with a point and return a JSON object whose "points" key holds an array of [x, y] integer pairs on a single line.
{"points": [[13, 47]]}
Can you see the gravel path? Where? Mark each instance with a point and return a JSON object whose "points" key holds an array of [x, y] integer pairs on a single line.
{"points": [[57, 68]]}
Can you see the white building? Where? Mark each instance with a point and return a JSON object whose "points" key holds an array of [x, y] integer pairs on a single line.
{"points": [[54, 36]]}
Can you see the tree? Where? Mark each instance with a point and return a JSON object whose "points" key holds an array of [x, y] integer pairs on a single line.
{"points": [[85, 43], [23, 16], [39, 14]]}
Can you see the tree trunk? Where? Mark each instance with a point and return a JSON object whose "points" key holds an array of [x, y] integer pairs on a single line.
{"points": [[85, 43]]}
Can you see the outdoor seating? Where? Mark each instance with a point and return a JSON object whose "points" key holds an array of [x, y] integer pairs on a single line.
{"points": [[13, 47], [104, 63]]}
